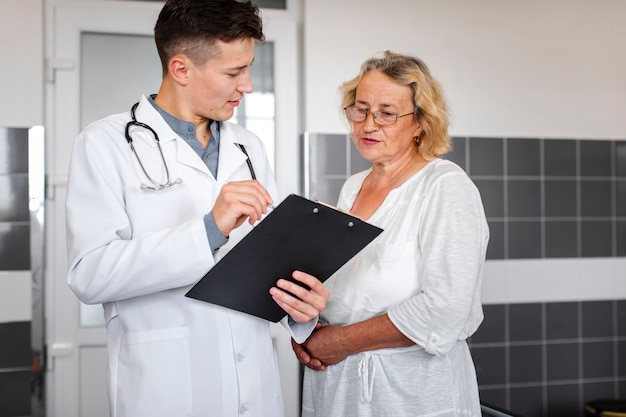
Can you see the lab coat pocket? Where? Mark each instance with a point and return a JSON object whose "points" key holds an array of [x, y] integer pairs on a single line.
{"points": [[154, 374]]}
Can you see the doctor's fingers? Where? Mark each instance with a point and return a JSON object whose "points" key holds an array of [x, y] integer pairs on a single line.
{"points": [[245, 190], [316, 286], [238, 199], [301, 303], [286, 294]]}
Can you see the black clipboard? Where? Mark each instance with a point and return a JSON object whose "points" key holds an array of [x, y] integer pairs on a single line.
{"points": [[299, 234]]}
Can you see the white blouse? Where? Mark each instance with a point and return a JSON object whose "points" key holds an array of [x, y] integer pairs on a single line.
{"points": [[425, 271]]}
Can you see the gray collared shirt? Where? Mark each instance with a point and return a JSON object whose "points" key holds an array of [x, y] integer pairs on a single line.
{"points": [[210, 156]]}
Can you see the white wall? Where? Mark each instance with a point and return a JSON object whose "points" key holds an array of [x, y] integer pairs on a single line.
{"points": [[533, 68], [21, 73]]}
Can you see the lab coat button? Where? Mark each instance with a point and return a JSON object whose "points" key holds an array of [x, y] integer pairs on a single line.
{"points": [[240, 357], [242, 409]]}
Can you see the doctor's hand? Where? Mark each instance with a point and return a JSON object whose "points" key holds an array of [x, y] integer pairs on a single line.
{"points": [[302, 304], [238, 201]]}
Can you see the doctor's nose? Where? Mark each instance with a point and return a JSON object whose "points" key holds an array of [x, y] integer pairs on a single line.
{"points": [[245, 86]]}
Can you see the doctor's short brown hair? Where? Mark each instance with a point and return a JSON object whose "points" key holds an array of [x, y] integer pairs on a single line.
{"points": [[192, 27]]}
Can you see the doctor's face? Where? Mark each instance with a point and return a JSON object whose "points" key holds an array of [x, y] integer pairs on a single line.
{"points": [[218, 85]]}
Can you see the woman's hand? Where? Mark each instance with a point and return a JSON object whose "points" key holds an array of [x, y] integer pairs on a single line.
{"points": [[304, 357], [307, 303], [327, 345]]}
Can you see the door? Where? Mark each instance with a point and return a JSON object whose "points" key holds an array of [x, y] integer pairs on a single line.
{"points": [[104, 59]]}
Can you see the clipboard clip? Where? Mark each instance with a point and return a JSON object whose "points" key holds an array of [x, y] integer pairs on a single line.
{"points": [[350, 224]]}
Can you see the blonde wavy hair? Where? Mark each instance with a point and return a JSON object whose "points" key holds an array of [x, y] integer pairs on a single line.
{"points": [[429, 106]]}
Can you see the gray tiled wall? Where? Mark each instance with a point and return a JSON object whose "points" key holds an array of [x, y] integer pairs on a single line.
{"points": [[14, 213], [549, 198], [549, 359], [15, 337]]}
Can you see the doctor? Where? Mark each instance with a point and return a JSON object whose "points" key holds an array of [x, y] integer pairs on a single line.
{"points": [[156, 196]]}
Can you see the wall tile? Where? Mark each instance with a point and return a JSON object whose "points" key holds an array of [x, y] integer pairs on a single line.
{"points": [[527, 401], [559, 157], [15, 394], [490, 364], [620, 158], [597, 390], [457, 154], [598, 360], [596, 198], [597, 319], [621, 359], [492, 328], [621, 319], [13, 151], [525, 322], [486, 156], [620, 198], [524, 198], [562, 361], [561, 239], [14, 247], [15, 349], [621, 238], [523, 157], [14, 198], [524, 240], [495, 247], [494, 396], [596, 238], [562, 320], [595, 158], [492, 194], [561, 197], [562, 401], [526, 364]]}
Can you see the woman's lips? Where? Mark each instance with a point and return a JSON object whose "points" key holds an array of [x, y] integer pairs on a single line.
{"points": [[369, 141]]}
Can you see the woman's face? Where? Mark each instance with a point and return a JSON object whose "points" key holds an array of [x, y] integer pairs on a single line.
{"points": [[385, 144]]}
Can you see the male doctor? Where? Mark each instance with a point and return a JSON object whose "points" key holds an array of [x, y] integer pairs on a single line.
{"points": [[148, 217]]}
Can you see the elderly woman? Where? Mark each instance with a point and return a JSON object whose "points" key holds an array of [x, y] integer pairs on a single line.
{"points": [[393, 341]]}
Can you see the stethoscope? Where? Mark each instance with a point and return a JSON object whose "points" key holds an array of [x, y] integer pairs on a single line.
{"points": [[158, 186]]}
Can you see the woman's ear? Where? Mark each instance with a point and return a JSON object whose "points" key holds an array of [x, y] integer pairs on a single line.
{"points": [[417, 133]]}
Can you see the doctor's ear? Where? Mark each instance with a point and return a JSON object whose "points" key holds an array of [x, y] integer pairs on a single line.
{"points": [[178, 69]]}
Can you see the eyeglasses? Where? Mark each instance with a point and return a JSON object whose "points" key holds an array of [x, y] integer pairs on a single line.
{"points": [[382, 118]]}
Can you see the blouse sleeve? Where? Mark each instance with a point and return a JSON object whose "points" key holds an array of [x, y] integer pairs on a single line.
{"points": [[453, 236]]}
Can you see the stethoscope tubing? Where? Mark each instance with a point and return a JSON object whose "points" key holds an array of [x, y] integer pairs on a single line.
{"points": [[157, 186]]}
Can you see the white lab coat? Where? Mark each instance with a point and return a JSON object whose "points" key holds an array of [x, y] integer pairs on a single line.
{"points": [[138, 252]]}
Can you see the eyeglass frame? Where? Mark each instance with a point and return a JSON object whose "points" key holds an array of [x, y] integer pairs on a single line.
{"points": [[374, 113]]}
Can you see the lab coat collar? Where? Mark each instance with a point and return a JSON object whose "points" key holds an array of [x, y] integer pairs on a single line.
{"points": [[231, 158]]}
